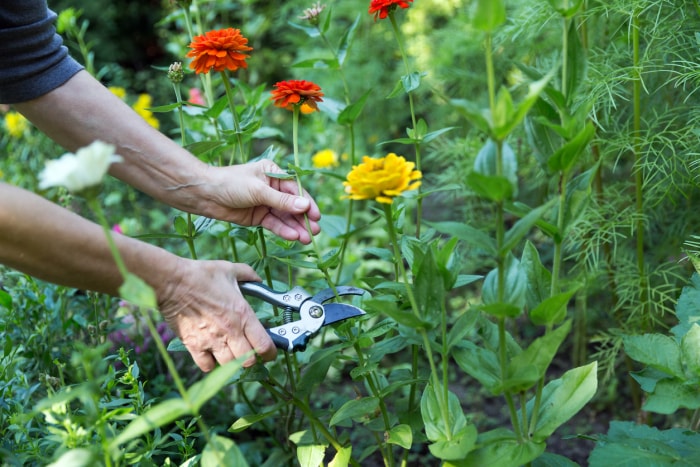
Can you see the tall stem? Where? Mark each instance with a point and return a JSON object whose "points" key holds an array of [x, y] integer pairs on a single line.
{"points": [[411, 106]]}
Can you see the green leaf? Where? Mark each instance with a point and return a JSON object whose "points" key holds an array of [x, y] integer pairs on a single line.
{"points": [[552, 310], [514, 286], [688, 307], [493, 188], [181, 226], [528, 367], [452, 438], [203, 390], [467, 234], [222, 451], [476, 115], [342, 457], [350, 113], [79, 457], [317, 63], [488, 14], [500, 448], [401, 435], [346, 40], [486, 163], [202, 147], [566, 8], [428, 286], [523, 226], [690, 351], [539, 278], [355, 409], [511, 117], [456, 448], [249, 420], [155, 417], [310, 31], [411, 82], [135, 291], [576, 61], [165, 108], [657, 351], [5, 300], [632, 444], [479, 363], [311, 455], [672, 394], [566, 157], [563, 398], [462, 326]]}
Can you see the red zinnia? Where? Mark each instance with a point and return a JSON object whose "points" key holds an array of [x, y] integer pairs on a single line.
{"points": [[220, 50], [297, 92], [381, 8]]}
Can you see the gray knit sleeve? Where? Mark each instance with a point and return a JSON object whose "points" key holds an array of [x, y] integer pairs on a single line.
{"points": [[33, 59]]}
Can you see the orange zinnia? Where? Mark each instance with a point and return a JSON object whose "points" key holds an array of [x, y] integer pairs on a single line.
{"points": [[220, 50], [381, 8], [297, 92]]}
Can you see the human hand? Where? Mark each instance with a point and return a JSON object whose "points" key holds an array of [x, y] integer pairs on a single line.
{"points": [[246, 195], [205, 308]]}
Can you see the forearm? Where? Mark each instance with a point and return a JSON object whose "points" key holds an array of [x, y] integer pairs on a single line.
{"points": [[83, 110], [46, 241]]}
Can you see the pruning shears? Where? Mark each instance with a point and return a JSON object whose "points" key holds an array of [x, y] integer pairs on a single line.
{"points": [[313, 310]]}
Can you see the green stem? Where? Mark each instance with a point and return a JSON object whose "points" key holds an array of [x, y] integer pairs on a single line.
{"points": [[411, 106], [300, 188], [374, 388], [639, 175], [234, 115], [442, 401]]}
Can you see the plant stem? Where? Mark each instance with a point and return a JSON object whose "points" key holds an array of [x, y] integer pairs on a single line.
{"points": [[234, 115], [411, 106], [442, 400]]}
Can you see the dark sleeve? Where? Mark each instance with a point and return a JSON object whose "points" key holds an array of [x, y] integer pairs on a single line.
{"points": [[33, 59]]}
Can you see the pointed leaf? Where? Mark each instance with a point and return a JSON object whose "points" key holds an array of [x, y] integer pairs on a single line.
{"points": [[563, 398], [222, 451], [488, 14], [656, 350], [355, 409], [401, 435]]}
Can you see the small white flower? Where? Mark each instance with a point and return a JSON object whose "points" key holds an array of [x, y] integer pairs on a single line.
{"points": [[81, 170]]}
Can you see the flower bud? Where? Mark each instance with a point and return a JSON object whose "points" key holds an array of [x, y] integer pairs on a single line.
{"points": [[175, 73]]}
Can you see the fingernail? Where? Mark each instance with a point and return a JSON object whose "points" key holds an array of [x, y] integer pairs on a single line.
{"points": [[301, 203]]}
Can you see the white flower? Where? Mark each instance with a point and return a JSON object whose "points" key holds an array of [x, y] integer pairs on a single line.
{"points": [[81, 170]]}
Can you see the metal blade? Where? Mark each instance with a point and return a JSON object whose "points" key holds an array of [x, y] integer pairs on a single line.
{"points": [[334, 312], [327, 294]]}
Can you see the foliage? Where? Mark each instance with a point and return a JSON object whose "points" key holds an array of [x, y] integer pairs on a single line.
{"points": [[534, 270]]}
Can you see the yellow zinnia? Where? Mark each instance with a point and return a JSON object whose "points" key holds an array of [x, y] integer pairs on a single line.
{"points": [[382, 179], [118, 91], [141, 107], [16, 124], [324, 159]]}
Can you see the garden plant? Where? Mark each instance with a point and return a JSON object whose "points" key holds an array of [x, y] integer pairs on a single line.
{"points": [[512, 182]]}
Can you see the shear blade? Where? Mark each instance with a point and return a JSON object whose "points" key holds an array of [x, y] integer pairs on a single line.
{"points": [[334, 312], [327, 294]]}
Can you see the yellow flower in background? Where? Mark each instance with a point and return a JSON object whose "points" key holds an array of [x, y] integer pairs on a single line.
{"points": [[118, 91], [325, 159], [141, 106], [382, 179], [16, 124]]}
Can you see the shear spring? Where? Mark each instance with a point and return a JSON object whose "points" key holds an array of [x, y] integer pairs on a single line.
{"points": [[288, 315]]}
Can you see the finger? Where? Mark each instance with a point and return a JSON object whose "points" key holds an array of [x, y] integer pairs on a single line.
{"points": [[223, 354], [243, 272], [260, 340], [204, 360]]}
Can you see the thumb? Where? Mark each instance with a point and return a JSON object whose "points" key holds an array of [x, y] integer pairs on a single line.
{"points": [[286, 202]]}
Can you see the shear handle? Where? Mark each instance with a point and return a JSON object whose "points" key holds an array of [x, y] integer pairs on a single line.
{"points": [[292, 298]]}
